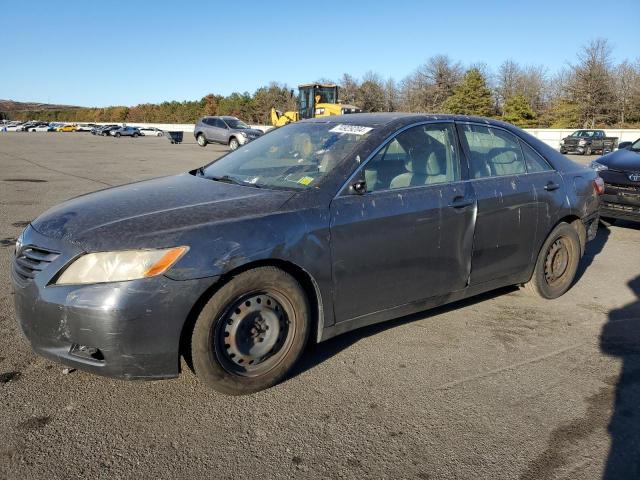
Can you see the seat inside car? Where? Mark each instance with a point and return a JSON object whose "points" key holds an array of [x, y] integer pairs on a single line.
{"points": [[423, 168], [505, 161]]}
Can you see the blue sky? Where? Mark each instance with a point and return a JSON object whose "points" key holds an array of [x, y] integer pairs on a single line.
{"points": [[128, 52]]}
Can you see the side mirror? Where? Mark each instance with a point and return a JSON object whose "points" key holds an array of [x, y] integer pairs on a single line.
{"points": [[358, 188]]}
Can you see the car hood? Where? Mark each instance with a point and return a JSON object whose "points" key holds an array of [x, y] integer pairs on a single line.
{"points": [[153, 213], [252, 131], [623, 160]]}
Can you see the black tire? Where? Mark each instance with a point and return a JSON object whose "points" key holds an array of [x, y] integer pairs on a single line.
{"points": [[202, 140], [233, 143], [251, 332], [557, 263], [117, 134], [135, 135], [563, 152]]}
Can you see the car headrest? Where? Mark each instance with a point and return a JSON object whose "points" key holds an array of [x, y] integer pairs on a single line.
{"points": [[422, 164]]}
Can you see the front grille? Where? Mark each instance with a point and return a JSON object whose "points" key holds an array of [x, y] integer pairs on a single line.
{"points": [[32, 260], [626, 188], [621, 207]]}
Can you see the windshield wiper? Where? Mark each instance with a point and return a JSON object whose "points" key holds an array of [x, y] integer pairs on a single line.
{"points": [[234, 180]]}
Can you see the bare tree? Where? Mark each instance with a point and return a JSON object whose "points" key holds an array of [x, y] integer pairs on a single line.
{"points": [[431, 84], [627, 81], [371, 93], [591, 85], [348, 89]]}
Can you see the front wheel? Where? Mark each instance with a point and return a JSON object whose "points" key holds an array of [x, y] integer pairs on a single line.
{"points": [[135, 135], [201, 140], [588, 151], [118, 135], [557, 263], [251, 333], [233, 143]]}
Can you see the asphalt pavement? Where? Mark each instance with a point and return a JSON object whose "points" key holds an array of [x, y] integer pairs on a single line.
{"points": [[501, 386]]}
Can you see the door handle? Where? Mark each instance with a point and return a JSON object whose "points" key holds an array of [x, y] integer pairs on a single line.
{"points": [[461, 202], [551, 186]]}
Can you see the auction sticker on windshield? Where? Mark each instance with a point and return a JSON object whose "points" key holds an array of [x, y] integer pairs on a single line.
{"points": [[352, 129]]}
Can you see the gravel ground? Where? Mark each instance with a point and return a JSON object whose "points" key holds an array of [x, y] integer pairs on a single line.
{"points": [[501, 386]]}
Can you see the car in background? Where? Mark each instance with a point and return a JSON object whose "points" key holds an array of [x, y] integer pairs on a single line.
{"points": [[226, 130], [67, 128], [151, 132], [588, 142], [12, 127], [620, 171], [85, 127], [318, 228], [43, 127], [106, 130], [125, 132]]}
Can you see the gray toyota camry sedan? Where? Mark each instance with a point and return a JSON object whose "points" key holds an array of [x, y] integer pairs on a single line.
{"points": [[311, 230]]}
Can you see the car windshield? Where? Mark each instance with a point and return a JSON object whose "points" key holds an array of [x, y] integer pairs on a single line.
{"points": [[235, 123], [582, 133], [296, 156]]}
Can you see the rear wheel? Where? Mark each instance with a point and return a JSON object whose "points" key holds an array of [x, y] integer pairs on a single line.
{"points": [[557, 263], [201, 140], [135, 135], [251, 333], [233, 143]]}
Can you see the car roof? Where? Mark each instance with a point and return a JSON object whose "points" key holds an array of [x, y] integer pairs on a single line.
{"points": [[399, 118]]}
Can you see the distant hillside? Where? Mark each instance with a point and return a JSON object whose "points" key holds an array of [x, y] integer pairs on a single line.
{"points": [[12, 106]]}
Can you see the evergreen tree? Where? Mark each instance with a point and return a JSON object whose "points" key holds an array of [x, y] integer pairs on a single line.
{"points": [[518, 111], [471, 96]]}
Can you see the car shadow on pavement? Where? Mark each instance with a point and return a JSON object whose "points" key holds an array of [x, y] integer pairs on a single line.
{"points": [[620, 337], [315, 354], [592, 250]]}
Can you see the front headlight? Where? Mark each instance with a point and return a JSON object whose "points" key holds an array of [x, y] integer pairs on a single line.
{"points": [[243, 134], [19, 241], [120, 266], [582, 142], [598, 167]]}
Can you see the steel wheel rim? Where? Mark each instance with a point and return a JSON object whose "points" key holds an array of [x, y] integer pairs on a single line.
{"points": [[255, 333], [557, 261]]}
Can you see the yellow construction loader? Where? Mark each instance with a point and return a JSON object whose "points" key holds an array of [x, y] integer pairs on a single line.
{"points": [[314, 101]]}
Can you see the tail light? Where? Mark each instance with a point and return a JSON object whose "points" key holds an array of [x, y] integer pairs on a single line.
{"points": [[598, 186]]}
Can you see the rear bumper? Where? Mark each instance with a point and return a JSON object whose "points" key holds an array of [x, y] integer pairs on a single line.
{"points": [[130, 329]]}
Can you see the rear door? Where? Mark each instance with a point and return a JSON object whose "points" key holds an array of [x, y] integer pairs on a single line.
{"points": [[409, 236], [507, 217]]}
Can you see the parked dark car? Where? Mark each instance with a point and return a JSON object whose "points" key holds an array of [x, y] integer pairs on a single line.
{"points": [[226, 130], [320, 227], [106, 130], [620, 171], [100, 129], [125, 132], [588, 142]]}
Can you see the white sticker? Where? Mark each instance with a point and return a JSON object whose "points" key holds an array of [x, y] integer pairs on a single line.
{"points": [[352, 129]]}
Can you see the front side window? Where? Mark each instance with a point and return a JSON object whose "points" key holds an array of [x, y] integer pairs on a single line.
{"points": [[422, 155], [493, 152], [297, 156]]}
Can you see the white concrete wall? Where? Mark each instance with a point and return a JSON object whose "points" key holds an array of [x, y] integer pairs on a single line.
{"points": [[552, 136]]}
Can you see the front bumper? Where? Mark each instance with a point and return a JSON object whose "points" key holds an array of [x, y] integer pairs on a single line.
{"points": [[131, 329]]}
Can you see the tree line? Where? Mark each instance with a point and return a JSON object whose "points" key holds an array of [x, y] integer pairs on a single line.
{"points": [[593, 91]]}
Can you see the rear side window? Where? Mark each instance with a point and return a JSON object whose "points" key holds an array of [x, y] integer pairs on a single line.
{"points": [[535, 163], [493, 152], [219, 123]]}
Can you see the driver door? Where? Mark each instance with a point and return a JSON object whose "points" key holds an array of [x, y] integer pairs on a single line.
{"points": [[409, 236]]}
